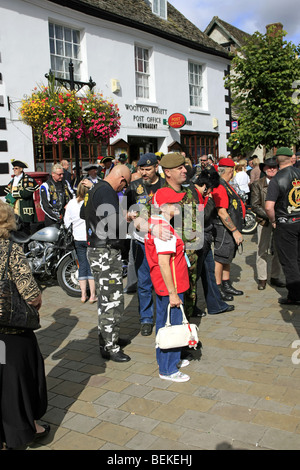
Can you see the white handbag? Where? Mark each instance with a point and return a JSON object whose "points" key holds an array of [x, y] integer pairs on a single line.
{"points": [[176, 336]]}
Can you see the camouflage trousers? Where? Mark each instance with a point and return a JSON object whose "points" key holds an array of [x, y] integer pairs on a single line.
{"points": [[190, 296], [106, 267]]}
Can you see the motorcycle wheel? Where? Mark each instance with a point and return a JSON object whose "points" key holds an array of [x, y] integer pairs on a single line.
{"points": [[67, 277], [250, 223]]}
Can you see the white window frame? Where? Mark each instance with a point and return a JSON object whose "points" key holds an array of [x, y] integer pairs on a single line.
{"points": [[142, 72], [159, 7], [64, 44], [195, 79]]}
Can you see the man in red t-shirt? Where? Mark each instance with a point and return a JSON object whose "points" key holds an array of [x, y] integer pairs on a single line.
{"points": [[228, 226]]}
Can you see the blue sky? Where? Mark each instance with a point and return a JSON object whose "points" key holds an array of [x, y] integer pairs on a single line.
{"points": [[247, 16]]}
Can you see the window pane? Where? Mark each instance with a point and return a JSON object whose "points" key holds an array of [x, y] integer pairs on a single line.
{"points": [[59, 48], [76, 36], [68, 49], [68, 35], [58, 32], [52, 48], [76, 51], [51, 30]]}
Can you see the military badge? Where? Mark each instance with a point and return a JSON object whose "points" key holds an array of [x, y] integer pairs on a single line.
{"points": [[294, 197], [234, 203], [140, 189]]}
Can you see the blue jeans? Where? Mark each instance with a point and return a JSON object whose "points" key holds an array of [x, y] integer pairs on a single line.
{"points": [[214, 302], [84, 265], [144, 283], [167, 359]]}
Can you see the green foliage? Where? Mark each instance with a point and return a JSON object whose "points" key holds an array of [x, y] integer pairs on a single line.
{"points": [[263, 79]]}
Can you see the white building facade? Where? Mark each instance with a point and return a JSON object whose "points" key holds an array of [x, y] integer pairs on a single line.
{"points": [[149, 72]]}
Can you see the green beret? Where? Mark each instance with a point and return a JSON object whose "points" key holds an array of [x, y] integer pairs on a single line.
{"points": [[284, 151], [172, 160]]}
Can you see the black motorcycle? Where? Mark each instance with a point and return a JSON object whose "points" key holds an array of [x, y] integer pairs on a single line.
{"points": [[50, 252], [250, 222]]}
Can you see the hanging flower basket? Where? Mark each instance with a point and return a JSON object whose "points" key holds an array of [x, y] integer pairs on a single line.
{"points": [[61, 116]]}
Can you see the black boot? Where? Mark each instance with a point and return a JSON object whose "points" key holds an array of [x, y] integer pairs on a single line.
{"points": [[224, 296], [228, 289]]}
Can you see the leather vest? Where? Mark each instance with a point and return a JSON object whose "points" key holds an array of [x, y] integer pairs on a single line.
{"points": [[287, 206], [95, 239], [235, 208], [140, 189]]}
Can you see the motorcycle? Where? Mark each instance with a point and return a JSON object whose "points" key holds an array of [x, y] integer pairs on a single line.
{"points": [[250, 222], [50, 252]]}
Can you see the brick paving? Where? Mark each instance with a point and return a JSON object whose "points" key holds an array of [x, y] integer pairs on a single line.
{"points": [[244, 391]]}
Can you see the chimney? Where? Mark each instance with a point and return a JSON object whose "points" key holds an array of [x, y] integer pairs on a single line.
{"points": [[274, 29]]}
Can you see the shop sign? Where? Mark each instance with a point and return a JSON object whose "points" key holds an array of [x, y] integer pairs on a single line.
{"points": [[177, 120]]}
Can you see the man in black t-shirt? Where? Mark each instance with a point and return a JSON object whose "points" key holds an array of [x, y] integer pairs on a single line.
{"points": [[283, 209], [140, 192], [105, 237]]}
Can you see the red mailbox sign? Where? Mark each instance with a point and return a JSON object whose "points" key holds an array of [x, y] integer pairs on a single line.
{"points": [[177, 120]]}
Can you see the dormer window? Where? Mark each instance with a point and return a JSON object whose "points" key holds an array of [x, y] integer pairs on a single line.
{"points": [[159, 7]]}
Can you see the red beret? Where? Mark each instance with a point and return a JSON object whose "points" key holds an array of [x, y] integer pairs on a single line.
{"points": [[166, 196], [226, 162]]}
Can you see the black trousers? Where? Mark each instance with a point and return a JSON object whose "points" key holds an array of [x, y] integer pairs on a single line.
{"points": [[287, 239]]}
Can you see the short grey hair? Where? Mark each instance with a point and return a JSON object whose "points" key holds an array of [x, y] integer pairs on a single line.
{"points": [[55, 167], [221, 170]]}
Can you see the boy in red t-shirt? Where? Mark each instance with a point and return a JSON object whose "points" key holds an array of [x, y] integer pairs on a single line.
{"points": [[170, 278]]}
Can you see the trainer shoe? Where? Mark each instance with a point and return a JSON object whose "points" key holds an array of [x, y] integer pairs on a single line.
{"points": [[176, 377], [183, 363]]}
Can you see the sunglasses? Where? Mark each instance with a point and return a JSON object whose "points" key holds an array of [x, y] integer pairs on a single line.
{"points": [[126, 182]]}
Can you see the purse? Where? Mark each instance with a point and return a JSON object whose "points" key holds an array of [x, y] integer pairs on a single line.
{"points": [[176, 336], [15, 312]]}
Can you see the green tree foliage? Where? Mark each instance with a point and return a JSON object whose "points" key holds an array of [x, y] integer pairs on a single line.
{"points": [[263, 82]]}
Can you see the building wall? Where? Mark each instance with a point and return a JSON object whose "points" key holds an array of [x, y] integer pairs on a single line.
{"points": [[107, 52]]}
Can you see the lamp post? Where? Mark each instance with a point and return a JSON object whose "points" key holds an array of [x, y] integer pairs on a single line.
{"points": [[71, 85]]}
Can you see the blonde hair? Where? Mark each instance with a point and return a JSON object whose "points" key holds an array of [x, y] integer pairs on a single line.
{"points": [[7, 220], [81, 191], [241, 165]]}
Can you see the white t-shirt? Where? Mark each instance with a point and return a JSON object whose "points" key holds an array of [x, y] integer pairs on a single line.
{"points": [[72, 217], [242, 181]]}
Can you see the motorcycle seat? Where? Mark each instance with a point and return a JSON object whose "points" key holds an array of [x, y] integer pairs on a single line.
{"points": [[20, 237]]}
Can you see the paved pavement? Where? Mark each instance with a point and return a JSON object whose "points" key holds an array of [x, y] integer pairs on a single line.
{"points": [[244, 391]]}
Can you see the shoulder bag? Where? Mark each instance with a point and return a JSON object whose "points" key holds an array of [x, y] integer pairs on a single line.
{"points": [[176, 336], [15, 312]]}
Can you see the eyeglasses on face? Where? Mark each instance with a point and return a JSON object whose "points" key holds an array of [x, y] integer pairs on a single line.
{"points": [[203, 160], [59, 174], [125, 181]]}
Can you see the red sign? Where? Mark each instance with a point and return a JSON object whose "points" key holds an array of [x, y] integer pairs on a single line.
{"points": [[177, 120]]}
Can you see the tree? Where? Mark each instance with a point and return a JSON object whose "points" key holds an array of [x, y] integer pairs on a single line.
{"points": [[261, 83]]}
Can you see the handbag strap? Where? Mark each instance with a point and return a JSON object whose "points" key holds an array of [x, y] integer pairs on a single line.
{"points": [[184, 319], [4, 274]]}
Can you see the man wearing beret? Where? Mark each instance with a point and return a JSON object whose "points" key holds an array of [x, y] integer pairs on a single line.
{"points": [[228, 226], [175, 172], [265, 230], [283, 209], [140, 192], [19, 194]]}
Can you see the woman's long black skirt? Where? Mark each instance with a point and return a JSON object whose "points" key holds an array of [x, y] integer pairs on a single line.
{"points": [[23, 391]]}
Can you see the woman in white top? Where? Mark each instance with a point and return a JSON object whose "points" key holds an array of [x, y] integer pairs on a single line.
{"points": [[72, 216], [241, 180]]}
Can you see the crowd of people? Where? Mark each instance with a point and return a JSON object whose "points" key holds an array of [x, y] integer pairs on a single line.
{"points": [[178, 224]]}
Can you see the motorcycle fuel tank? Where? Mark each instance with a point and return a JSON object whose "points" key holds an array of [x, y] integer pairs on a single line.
{"points": [[46, 234]]}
